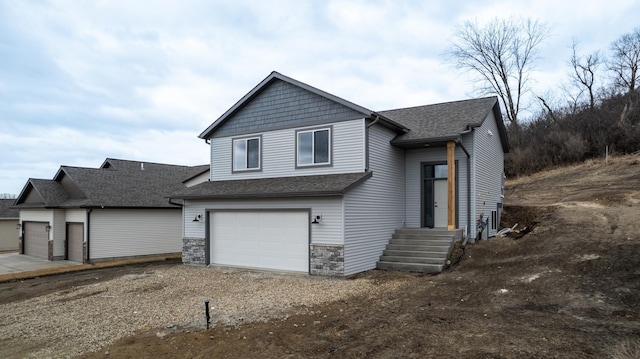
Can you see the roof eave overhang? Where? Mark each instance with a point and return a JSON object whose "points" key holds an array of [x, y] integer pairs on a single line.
{"points": [[126, 207], [263, 195], [338, 192], [389, 122], [426, 142]]}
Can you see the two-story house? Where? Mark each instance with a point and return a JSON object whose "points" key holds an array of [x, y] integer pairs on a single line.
{"points": [[305, 181]]}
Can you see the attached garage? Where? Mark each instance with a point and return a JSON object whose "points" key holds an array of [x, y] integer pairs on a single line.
{"points": [[265, 239], [75, 239], [36, 239]]}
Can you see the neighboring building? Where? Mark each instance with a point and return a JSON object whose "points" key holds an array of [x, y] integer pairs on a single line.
{"points": [[305, 181], [8, 223], [94, 214]]}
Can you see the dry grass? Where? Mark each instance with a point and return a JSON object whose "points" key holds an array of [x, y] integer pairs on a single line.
{"points": [[626, 349]]}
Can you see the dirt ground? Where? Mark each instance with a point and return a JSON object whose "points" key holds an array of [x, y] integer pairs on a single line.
{"points": [[568, 288]]}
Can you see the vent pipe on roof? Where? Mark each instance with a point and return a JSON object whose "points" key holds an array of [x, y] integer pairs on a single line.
{"points": [[142, 166]]}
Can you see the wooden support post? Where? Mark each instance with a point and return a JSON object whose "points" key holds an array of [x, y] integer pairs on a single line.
{"points": [[451, 186]]}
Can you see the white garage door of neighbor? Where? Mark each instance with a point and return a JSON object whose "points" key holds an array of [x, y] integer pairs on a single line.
{"points": [[260, 239], [36, 239], [75, 241]]}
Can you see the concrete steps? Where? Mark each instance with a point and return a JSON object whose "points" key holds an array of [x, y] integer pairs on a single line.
{"points": [[418, 250]]}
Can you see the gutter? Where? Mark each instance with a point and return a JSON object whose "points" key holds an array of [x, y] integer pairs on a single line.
{"points": [[421, 141], [176, 204]]}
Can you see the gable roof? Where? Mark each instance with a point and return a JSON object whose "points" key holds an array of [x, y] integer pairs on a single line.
{"points": [[120, 184], [6, 212], [445, 121], [49, 192], [298, 186], [275, 77]]}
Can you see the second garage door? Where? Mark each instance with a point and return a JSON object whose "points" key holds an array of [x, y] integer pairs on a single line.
{"points": [[260, 239], [75, 241]]}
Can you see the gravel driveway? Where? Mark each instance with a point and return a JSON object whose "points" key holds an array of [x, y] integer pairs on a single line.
{"points": [[86, 318]]}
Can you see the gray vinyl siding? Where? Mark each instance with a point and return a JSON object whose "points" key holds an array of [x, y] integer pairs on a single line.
{"points": [[75, 215], [489, 168], [414, 159], [329, 231], [36, 215], [283, 105], [279, 153], [375, 208], [117, 233]]}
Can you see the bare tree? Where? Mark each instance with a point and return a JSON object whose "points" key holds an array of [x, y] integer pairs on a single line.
{"points": [[7, 196], [584, 71], [502, 54], [625, 61], [624, 65]]}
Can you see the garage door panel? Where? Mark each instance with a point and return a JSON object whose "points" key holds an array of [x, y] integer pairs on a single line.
{"points": [[260, 239], [273, 232], [36, 239], [247, 231], [75, 239]]}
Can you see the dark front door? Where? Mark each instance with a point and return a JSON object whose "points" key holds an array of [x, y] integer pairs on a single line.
{"points": [[434, 195]]}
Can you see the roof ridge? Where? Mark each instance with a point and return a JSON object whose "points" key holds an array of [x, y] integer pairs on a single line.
{"points": [[149, 162], [441, 103]]}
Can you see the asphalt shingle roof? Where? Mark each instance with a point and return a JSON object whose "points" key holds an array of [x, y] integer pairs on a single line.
{"points": [[52, 192], [122, 184], [440, 121], [6, 211], [318, 185]]}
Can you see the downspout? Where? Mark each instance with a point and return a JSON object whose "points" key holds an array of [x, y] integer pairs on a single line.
{"points": [[459, 141], [366, 141], [88, 234]]}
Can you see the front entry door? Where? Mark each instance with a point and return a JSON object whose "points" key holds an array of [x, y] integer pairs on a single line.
{"points": [[435, 206], [440, 203]]}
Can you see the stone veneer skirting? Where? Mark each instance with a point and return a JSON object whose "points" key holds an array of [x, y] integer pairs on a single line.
{"points": [[324, 259], [327, 260], [193, 251]]}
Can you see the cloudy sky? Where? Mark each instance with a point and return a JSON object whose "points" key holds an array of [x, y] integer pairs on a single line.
{"points": [[81, 81]]}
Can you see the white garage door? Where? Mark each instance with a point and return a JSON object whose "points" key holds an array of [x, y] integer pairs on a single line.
{"points": [[36, 239], [75, 241], [260, 239]]}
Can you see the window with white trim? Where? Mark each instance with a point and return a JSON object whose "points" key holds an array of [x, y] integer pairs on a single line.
{"points": [[246, 154], [313, 147]]}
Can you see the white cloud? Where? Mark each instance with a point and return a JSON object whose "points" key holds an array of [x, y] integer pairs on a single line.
{"points": [[82, 81]]}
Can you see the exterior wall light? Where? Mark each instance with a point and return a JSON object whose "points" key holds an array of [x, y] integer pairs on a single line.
{"points": [[197, 219], [48, 228], [18, 226]]}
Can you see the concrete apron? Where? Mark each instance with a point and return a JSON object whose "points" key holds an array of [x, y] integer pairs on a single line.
{"points": [[14, 266], [14, 263]]}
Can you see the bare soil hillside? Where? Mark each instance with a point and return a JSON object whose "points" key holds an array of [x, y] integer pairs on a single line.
{"points": [[568, 288]]}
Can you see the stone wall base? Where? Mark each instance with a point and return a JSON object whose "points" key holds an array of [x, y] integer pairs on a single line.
{"points": [[327, 260], [194, 251]]}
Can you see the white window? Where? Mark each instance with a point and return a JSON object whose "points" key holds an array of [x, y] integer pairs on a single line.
{"points": [[313, 147], [246, 154]]}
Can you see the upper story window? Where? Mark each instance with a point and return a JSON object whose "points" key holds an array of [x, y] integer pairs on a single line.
{"points": [[246, 154], [313, 147]]}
